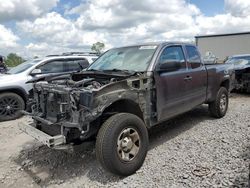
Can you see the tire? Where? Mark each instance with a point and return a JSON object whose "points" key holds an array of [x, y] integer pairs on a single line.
{"points": [[122, 144], [218, 108], [11, 105]]}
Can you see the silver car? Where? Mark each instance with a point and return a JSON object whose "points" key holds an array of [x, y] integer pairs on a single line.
{"points": [[14, 89]]}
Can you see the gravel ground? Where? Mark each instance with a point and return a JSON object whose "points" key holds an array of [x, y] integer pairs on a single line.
{"points": [[192, 150]]}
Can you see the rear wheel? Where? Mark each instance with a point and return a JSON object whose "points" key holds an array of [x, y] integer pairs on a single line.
{"points": [[122, 144], [218, 108], [11, 105]]}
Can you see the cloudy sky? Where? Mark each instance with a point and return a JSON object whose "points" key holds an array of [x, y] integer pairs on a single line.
{"points": [[40, 27]]}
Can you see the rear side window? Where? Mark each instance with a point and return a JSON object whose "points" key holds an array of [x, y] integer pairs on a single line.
{"points": [[173, 53], [193, 57], [83, 62], [52, 67], [70, 65], [75, 65]]}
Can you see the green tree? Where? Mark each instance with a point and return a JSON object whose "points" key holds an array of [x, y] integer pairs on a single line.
{"points": [[13, 60], [98, 47]]}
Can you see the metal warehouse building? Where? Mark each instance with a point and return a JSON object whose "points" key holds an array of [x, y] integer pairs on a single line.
{"points": [[223, 45]]}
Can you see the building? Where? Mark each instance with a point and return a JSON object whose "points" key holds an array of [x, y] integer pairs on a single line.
{"points": [[224, 45]]}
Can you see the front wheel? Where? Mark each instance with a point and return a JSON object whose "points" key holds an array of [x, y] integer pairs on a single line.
{"points": [[218, 108], [122, 144], [11, 105]]}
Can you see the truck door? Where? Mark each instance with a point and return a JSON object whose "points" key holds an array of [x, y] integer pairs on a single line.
{"points": [[197, 83], [171, 89]]}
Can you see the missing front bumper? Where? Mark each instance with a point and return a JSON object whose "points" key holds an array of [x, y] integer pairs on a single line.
{"points": [[50, 141]]}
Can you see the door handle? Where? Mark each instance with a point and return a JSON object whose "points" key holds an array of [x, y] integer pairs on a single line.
{"points": [[187, 78]]}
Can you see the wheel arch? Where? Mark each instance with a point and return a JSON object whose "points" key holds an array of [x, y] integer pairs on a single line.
{"points": [[17, 90], [124, 105], [118, 106], [226, 84]]}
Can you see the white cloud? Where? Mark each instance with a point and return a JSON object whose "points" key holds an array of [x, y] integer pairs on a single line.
{"points": [[55, 29], [223, 23], [239, 8], [129, 13], [114, 22], [55, 34], [128, 21], [122, 22], [24, 9], [42, 49], [8, 40]]}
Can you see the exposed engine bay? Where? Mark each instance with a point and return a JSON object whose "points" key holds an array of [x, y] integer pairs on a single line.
{"points": [[75, 104], [86, 81]]}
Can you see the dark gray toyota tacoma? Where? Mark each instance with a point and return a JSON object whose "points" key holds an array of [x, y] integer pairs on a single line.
{"points": [[121, 95]]}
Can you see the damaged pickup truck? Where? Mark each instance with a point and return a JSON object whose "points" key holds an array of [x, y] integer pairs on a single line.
{"points": [[124, 93]]}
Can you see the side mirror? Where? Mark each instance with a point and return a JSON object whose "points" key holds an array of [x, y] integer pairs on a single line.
{"points": [[35, 72], [169, 66]]}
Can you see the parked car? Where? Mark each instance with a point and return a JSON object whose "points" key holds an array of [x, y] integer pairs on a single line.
{"points": [[14, 91], [125, 92], [241, 66]]}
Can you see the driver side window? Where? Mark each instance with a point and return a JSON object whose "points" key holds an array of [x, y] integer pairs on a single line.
{"points": [[173, 53], [193, 57]]}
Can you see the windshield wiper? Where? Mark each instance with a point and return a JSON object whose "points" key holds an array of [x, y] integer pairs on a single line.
{"points": [[121, 70], [94, 70]]}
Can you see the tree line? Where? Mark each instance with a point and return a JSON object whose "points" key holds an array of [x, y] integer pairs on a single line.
{"points": [[13, 60]]}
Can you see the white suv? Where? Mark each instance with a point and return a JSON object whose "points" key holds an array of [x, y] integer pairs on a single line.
{"points": [[15, 92]]}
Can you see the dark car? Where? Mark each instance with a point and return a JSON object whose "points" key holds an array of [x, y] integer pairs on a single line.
{"points": [[3, 67], [241, 66], [125, 92]]}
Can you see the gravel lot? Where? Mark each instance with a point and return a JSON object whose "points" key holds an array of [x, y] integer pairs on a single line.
{"points": [[192, 150]]}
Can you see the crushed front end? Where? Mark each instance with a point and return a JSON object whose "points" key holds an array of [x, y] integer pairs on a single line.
{"points": [[56, 111], [71, 110]]}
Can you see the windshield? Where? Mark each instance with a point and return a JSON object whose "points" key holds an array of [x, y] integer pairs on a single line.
{"points": [[23, 67], [240, 60], [134, 58]]}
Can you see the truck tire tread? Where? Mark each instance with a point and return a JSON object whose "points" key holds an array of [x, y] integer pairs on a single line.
{"points": [[214, 107], [106, 141]]}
